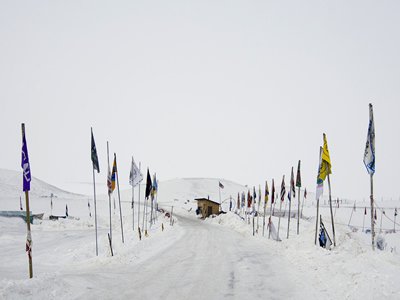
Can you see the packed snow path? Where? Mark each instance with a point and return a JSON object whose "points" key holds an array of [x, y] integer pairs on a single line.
{"points": [[208, 262]]}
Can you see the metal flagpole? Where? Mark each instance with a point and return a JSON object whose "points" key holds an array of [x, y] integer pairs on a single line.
{"points": [[279, 221], [351, 216], [298, 213], [316, 222], [138, 220], [109, 194], [372, 213], [364, 219], [258, 207], [302, 205], [330, 205], [95, 211], [133, 199], [119, 200], [290, 205], [270, 220]]}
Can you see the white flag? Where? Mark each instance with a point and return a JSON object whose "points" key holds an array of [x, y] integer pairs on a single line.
{"points": [[135, 176], [369, 154]]}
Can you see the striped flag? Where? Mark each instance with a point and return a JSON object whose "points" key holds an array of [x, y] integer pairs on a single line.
{"points": [[283, 189], [293, 189], [298, 177], [95, 159]]}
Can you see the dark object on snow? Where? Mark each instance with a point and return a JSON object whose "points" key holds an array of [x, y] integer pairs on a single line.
{"points": [[55, 218], [380, 242], [324, 239]]}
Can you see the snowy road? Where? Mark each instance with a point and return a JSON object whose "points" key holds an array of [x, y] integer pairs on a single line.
{"points": [[208, 262]]}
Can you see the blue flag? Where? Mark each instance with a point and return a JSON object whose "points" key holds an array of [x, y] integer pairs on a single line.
{"points": [[369, 154], [25, 164]]}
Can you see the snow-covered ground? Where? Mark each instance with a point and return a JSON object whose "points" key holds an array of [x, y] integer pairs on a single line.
{"points": [[194, 259]]}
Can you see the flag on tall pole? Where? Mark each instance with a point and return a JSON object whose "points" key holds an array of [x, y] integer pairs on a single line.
{"points": [[266, 196], [149, 188], [319, 192], [292, 190], [298, 184], [270, 209], [95, 163], [283, 193], [26, 186], [114, 177], [325, 171], [369, 162], [110, 190]]}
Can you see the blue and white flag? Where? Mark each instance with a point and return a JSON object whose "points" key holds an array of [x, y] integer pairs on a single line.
{"points": [[369, 154], [27, 177]]}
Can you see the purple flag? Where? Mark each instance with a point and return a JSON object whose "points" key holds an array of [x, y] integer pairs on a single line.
{"points": [[25, 165]]}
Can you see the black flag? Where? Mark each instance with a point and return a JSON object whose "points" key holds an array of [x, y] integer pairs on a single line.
{"points": [[149, 185], [95, 159]]}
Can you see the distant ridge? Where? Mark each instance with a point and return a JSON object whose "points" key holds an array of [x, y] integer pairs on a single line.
{"points": [[11, 186]]}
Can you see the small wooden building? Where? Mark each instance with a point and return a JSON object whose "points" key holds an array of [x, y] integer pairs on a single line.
{"points": [[207, 207]]}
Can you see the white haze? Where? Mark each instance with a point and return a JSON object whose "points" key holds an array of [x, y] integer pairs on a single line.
{"points": [[227, 89]]}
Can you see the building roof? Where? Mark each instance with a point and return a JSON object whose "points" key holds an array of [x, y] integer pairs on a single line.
{"points": [[205, 199]]}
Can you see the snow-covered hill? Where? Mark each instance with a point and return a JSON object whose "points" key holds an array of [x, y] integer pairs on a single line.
{"points": [[65, 265]]}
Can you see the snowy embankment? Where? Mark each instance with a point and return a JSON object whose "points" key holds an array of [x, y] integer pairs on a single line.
{"points": [[349, 271], [64, 261]]}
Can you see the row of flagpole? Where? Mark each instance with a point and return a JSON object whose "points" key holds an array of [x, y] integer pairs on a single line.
{"points": [[324, 172], [135, 178]]}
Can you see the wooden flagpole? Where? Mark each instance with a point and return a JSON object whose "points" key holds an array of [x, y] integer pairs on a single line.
{"points": [[330, 205], [29, 235], [28, 217], [119, 200]]}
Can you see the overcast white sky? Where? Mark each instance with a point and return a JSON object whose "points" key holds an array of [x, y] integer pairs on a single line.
{"points": [[228, 89]]}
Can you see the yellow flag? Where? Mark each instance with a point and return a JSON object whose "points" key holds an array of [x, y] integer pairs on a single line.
{"points": [[325, 168]]}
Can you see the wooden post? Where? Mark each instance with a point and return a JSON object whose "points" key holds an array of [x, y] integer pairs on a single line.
{"points": [[270, 219], [119, 200], [372, 213], [330, 205], [28, 227], [170, 220], [290, 205]]}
